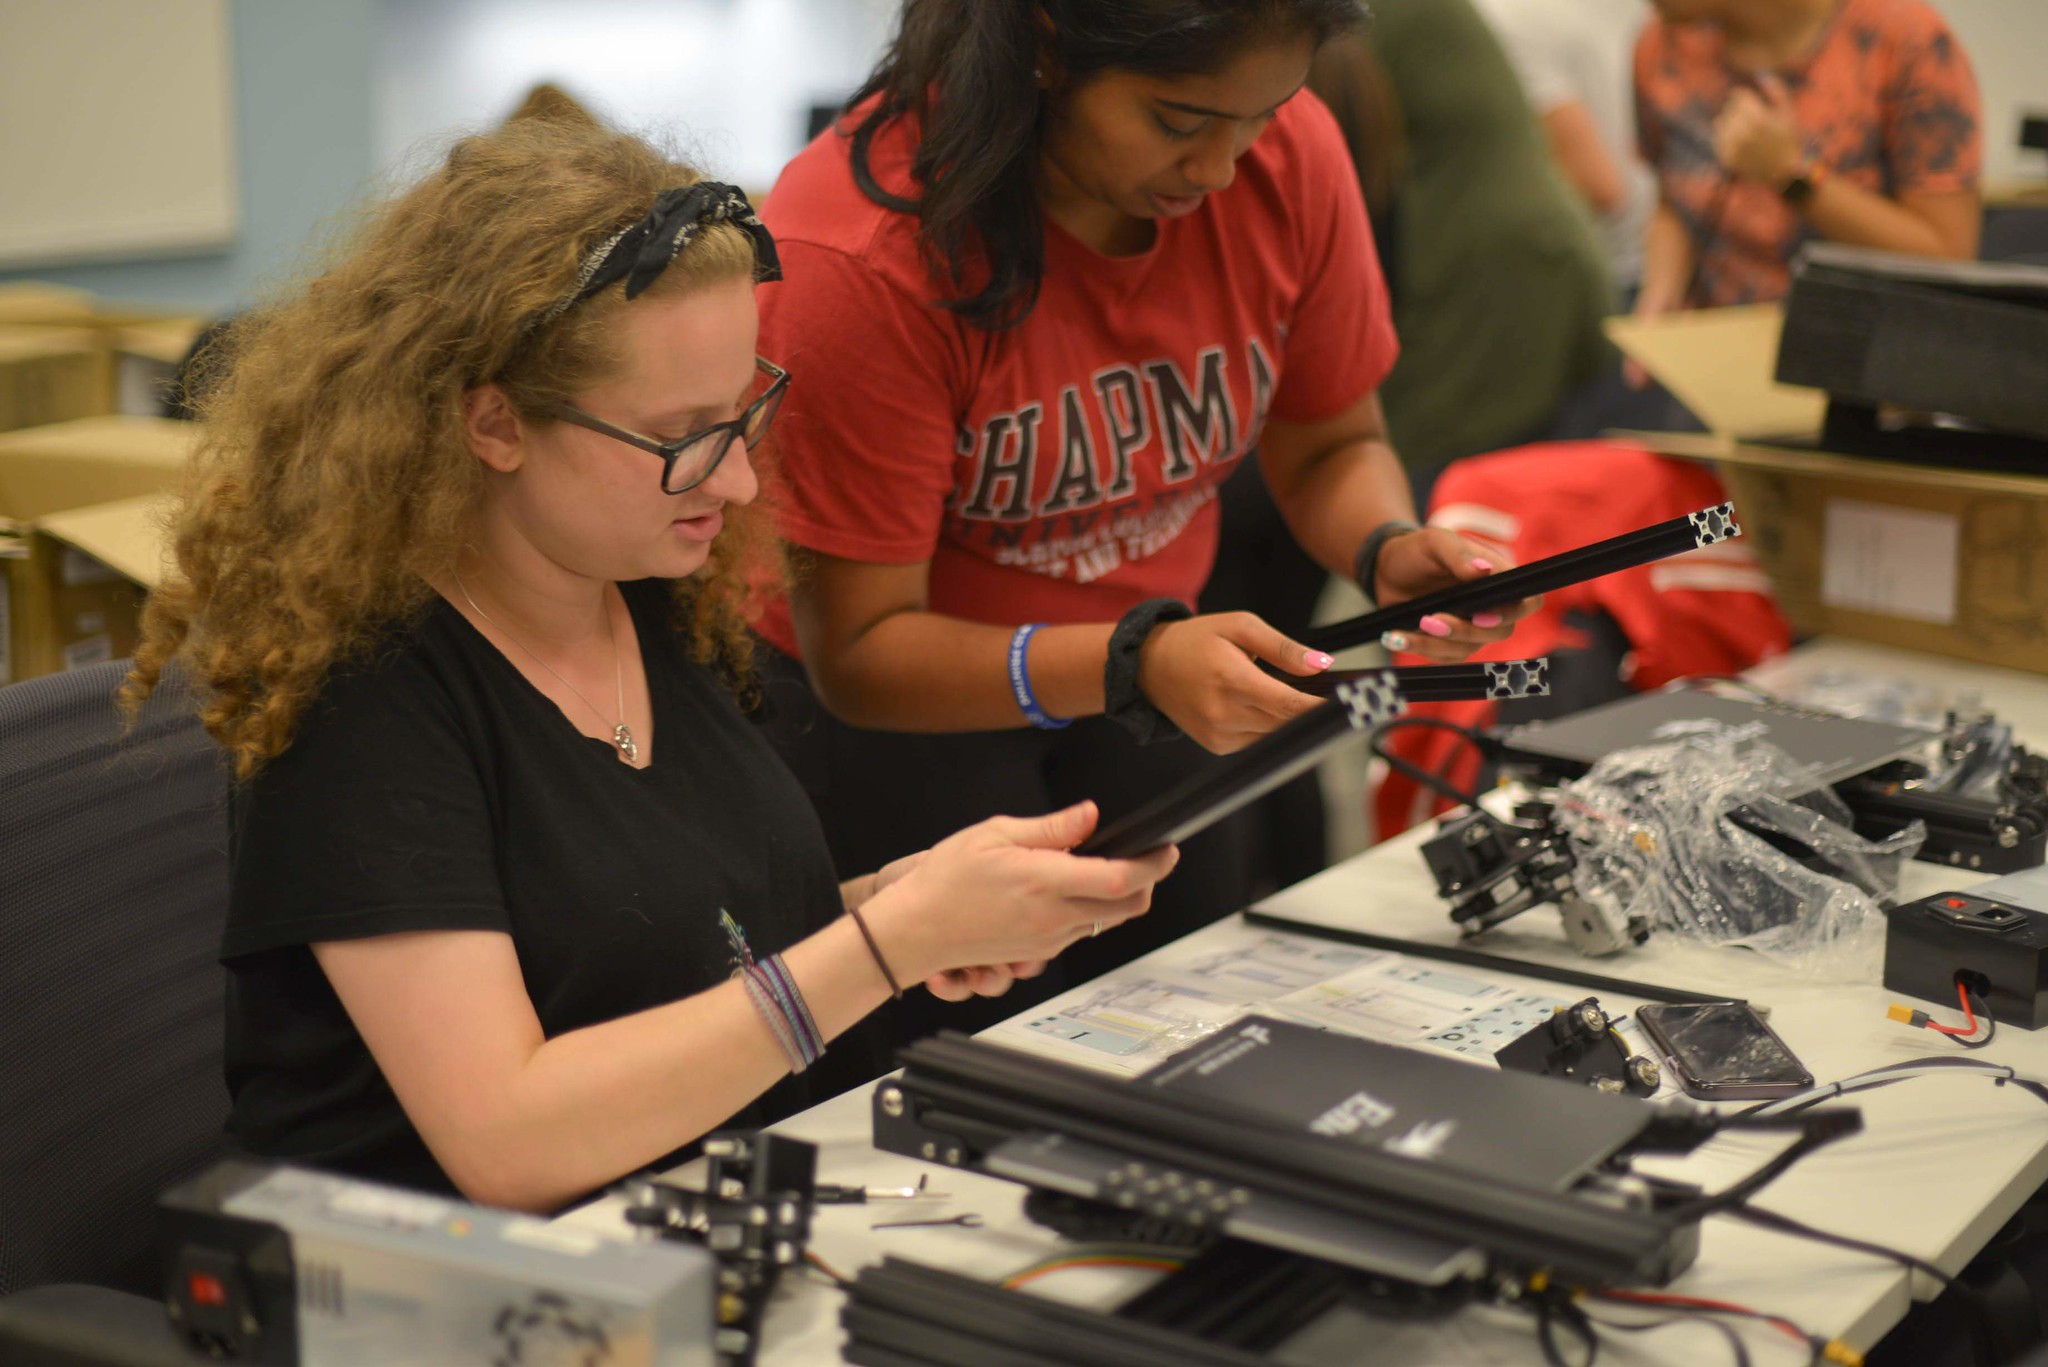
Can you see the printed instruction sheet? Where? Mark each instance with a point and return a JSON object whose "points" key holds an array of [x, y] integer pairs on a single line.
{"points": [[1129, 1020]]}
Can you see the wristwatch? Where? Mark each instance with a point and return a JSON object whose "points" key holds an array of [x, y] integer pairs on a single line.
{"points": [[1365, 567], [1806, 181]]}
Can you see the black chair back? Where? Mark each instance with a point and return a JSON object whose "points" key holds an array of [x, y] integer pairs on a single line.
{"points": [[113, 889]]}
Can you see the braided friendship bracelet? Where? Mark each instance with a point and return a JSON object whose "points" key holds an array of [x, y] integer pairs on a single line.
{"points": [[773, 990], [775, 973], [771, 1013]]}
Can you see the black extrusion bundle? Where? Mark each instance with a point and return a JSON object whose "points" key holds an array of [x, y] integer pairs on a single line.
{"points": [[904, 1313], [958, 1100], [1295, 1209], [1656, 542], [1232, 781]]}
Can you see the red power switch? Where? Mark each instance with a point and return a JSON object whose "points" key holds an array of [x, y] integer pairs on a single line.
{"points": [[206, 1289], [1957, 903]]}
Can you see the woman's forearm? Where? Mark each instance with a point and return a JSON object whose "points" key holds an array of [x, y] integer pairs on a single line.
{"points": [[1667, 264], [595, 1104], [1332, 504], [927, 672]]}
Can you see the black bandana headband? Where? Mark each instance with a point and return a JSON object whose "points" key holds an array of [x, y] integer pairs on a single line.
{"points": [[640, 254]]}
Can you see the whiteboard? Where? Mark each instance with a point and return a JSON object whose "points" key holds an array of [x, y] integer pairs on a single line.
{"points": [[116, 130]]}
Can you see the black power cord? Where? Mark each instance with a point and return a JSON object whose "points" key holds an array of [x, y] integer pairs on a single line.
{"points": [[1785, 1224], [1414, 773]]}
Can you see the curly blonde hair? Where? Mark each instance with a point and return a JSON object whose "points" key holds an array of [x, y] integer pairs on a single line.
{"points": [[334, 478]]}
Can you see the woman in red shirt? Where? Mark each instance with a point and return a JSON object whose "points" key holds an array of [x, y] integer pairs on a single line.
{"points": [[1060, 268]]}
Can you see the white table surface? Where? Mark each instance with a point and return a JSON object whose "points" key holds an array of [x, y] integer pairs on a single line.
{"points": [[1941, 1163]]}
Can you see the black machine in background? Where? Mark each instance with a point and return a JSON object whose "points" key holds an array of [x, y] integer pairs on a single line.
{"points": [[1302, 1172], [1991, 941], [1923, 361]]}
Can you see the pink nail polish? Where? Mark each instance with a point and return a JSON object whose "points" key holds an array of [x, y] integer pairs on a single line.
{"points": [[1435, 625], [1485, 619], [1317, 660], [1483, 566]]}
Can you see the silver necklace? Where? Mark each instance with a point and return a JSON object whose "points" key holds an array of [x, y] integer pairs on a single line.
{"points": [[622, 734]]}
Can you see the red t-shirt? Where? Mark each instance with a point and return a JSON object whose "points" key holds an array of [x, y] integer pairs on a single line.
{"points": [[1066, 469], [1886, 100]]}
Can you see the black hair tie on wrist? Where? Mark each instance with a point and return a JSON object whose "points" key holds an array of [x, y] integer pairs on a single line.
{"points": [[1123, 702], [640, 254]]}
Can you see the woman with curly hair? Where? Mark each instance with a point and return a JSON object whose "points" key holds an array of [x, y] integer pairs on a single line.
{"points": [[521, 903]]}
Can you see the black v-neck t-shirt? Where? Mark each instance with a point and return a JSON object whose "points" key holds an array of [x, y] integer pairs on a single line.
{"points": [[435, 788]]}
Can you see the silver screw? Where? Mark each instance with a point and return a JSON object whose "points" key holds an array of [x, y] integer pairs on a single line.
{"points": [[892, 1102]]}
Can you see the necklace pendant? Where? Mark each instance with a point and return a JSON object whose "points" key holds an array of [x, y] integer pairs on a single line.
{"points": [[622, 736]]}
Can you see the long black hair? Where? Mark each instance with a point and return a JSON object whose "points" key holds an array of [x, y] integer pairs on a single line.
{"points": [[963, 70]]}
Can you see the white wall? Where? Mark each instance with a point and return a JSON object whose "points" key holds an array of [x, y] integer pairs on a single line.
{"points": [[301, 99], [732, 77], [2008, 44]]}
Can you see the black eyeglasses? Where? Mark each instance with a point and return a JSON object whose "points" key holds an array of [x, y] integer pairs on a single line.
{"points": [[689, 461]]}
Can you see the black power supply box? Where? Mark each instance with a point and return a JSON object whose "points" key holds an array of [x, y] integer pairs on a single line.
{"points": [[1995, 945]]}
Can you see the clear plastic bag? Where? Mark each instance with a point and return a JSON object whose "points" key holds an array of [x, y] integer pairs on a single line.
{"points": [[1697, 836]]}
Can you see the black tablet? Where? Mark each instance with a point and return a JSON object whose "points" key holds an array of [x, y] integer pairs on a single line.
{"points": [[1357, 706]]}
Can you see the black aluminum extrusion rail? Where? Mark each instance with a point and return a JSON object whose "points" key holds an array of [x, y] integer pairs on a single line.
{"points": [[1655, 542]]}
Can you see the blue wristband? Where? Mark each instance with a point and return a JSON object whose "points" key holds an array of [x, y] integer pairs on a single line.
{"points": [[1020, 682]]}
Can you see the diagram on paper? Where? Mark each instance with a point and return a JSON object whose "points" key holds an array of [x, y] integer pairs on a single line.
{"points": [[1137, 1021], [1264, 967], [1400, 1001]]}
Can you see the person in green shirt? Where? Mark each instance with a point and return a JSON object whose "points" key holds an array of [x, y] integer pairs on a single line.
{"points": [[1496, 269]]}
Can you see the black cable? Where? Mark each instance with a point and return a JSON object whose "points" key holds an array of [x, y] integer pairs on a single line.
{"points": [[1693, 681], [1418, 775], [1736, 1346], [1555, 1306], [1979, 1006], [1480, 740], [1424, 778], [1875, 1079], [1785, 1224], [1732, 1197]]}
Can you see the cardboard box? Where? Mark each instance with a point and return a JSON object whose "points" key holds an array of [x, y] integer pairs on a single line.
{"points": [[86, 502], [1925, 557], [31, 301], [141, 346], [52, 375]]}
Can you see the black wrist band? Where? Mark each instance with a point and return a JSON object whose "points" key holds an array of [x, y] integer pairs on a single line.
{"points": [[1365, 567], [895, 988], [1123, 702]]}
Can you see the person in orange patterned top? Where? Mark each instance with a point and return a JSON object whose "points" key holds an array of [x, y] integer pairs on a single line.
{"points": [[1774, 122]]}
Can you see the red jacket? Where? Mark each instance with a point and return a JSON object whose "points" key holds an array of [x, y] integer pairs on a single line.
{"points": [[1709, 611]]}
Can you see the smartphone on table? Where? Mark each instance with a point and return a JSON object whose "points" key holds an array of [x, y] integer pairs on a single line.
{"points": [[1723, 1051]]}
